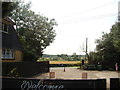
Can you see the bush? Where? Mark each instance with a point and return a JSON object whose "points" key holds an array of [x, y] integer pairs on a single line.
{"points": [[93, 67]]}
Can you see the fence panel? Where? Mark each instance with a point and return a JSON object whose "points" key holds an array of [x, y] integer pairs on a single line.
{"points": [[53, 84], [114, 83], [24, 69]]}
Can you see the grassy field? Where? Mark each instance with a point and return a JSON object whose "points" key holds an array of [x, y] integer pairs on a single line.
{"points": [[65, 62]]}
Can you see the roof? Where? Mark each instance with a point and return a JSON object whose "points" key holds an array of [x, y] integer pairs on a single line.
{"points": [[10, 40], [8, 20]]}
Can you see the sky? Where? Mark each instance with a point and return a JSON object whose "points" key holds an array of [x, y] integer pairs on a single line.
{"points": [[77, 20]]}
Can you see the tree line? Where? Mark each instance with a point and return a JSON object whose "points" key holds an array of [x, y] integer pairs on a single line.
{"points": [[107, 49], [63, 57]]}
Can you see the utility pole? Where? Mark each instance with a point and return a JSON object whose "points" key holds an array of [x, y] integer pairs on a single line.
{"points": [[86, 44], [119, 11], [86, 48]]}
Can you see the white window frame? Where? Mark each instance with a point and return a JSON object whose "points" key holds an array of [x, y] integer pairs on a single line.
{"points": [[7, 54]]}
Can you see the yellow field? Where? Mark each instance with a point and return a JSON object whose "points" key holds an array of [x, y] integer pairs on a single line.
{"points": [[65, 62]]}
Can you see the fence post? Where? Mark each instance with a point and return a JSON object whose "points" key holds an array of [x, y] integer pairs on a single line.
{"points": [[114, 83], [51, 74], [100, 84], [84, 75]]}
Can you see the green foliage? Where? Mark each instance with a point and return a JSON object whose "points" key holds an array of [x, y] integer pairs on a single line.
{"points": [[13, 73], [108, 48], [115, 32], [34, 30], [7, 7], [92, 67], [92, 57]]}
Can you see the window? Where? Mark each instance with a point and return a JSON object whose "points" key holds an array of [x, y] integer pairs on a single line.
{"points": [[0, 26], [5, 27], [7, 54]]}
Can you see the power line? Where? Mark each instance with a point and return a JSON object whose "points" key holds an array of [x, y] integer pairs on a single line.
{"points": [[77, 20], [75, 14]]}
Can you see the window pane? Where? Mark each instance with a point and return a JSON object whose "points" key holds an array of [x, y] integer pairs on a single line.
{"points": [[11, 53], [0, 26], [3, 53], [5, 27], [7, 53]]}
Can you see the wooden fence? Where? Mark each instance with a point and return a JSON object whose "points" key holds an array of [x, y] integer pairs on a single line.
{"points": [[53, 84], [114, 83], [24, 69]]}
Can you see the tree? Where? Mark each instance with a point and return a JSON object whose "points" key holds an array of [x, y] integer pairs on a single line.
{"points": [[7, 7], [75, 57], [108, 47], [115, 32], [34, 30], [92, 57]]}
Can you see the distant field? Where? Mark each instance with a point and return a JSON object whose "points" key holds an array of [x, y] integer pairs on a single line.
{"points": [[65, 62]]}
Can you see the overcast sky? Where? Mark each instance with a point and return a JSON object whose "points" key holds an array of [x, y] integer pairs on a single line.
{"points": [[77, 20]]}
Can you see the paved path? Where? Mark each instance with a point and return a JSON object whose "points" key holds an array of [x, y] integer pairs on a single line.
{"points": [[74, 73]]}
